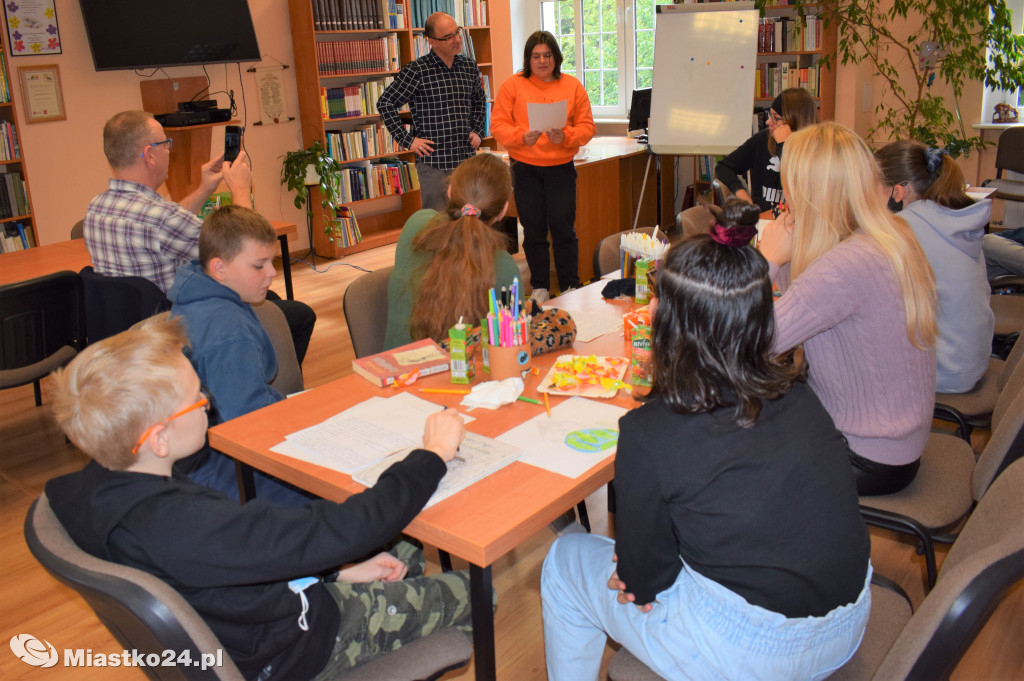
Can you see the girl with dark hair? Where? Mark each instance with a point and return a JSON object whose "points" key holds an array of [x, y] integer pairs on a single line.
{"points": [[760, 155], [926, 187], [542, 160], [445, 263], [739, 545]]}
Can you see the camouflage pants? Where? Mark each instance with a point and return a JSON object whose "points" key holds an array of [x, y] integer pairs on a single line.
{"points": [[378, 617]]}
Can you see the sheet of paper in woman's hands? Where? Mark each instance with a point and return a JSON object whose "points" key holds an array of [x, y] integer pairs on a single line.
{"points": [[579, 434], [544, 117]]}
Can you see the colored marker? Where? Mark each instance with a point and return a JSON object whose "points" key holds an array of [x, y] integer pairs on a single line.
{"points": [[547, 405], [528, 399]]}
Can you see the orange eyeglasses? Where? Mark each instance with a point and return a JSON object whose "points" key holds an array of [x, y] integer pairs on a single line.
{"points": [[201, 404]]}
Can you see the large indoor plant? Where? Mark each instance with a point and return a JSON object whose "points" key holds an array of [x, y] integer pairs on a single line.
{"points": [[314, 167], [912, 44]]}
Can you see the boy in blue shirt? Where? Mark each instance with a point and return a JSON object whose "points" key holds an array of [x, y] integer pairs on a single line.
{"points": [[230, 350], [134, 404]]}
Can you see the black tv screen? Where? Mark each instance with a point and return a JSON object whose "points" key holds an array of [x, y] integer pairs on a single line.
{"points": [[141, 34]]}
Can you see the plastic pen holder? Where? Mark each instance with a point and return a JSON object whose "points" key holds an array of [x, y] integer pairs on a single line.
{"points": [[509, 362]]}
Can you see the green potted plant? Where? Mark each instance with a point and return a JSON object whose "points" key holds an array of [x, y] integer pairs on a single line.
{"points": [[314, 167], [910, 44]]}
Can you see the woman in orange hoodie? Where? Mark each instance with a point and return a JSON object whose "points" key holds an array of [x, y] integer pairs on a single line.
{"points": [[542, 160]]}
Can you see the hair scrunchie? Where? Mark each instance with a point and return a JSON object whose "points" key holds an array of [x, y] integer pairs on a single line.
{"points": [[933, 159], [470, 209], [737, 236]]}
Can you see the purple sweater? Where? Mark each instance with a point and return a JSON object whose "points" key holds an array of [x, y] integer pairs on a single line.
{"points": [[847, 310]]}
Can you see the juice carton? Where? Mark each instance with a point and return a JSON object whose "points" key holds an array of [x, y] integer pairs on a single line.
{"points": [[461, 354], [643, 291], [641, 362]]}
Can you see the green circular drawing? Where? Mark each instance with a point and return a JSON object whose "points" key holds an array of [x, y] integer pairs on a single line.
{"points": [[592, 440]]}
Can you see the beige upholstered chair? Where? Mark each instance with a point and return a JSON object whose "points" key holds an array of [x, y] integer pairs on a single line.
{"points": [[984, 563], [693, 221], [289, 374], [974, 408], [366, 311], [606, 255], [77, 229], [949, 482], [145, 614]]}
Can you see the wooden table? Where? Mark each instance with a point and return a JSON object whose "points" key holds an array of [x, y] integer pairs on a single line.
{"points": [[480, 524], [73, 255]]}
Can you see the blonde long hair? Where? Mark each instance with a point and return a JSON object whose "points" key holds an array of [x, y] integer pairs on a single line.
{"points": [[460, 271], [834, 187]]}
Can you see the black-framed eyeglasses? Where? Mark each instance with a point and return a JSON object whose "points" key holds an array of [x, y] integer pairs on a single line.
{"points": [[169, 142], [445, 38]]}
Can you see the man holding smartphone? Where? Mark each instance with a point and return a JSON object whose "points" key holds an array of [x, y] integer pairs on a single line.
{"points": [[131, 230]]}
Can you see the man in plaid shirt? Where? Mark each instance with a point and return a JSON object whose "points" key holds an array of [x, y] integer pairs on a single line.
{"points": [[132, 231], [444, 92]]}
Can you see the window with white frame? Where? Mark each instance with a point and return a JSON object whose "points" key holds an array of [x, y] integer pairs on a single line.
{"points": [[607, 44]]}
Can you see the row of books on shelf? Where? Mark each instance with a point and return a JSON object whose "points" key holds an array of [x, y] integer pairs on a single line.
{"points": [[357, 15], [10, 148], [785, 34], [376, 179], [13, 200], [5, 87], [420, 46], [706, 167], [465, 12], [339, 57], [346, 228], [771, 79], [352, 100], [372, 139], [14, 236]]}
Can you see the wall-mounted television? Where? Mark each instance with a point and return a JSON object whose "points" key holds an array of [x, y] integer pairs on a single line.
{"points": [[142, 34]]}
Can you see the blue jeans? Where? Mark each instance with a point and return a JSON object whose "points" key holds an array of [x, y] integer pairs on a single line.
{"points": [[218, 472], [698, 629]]}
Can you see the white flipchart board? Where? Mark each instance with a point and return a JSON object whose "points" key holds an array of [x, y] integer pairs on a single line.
{"points": [[702, 97]]}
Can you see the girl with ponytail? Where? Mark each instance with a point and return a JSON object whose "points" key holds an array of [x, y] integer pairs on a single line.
{"points": [[446, 262], [926, 187]]}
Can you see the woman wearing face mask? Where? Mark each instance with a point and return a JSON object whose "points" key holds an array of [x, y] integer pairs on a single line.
{"points": [[925, 186], [761, 154]]}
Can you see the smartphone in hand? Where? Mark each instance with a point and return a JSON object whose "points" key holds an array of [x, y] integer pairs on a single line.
{"points": [[232, 142]]}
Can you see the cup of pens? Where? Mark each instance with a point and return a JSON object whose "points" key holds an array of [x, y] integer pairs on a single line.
{"points": [[636, 246], [506, 332]]}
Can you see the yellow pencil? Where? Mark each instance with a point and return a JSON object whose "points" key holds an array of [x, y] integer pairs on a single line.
{"points": [[547, 405], [450, 391]]}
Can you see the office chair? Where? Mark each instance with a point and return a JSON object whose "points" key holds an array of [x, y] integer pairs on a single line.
{"points": [[974, 408], [1007, 302], [42, 327], [950, 482], [1009, 156], [983, 565], [366, 311], [77, 229], [289, 374], [144, 613], [694, 221], [606, 254], [113, 304]]}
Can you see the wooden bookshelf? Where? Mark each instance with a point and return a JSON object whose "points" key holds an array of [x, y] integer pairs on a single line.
{"points": [[380, 219], [15, 164], [826, 90]]}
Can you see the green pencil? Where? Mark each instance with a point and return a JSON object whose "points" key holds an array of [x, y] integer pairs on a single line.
{"points": [[528, 399]]}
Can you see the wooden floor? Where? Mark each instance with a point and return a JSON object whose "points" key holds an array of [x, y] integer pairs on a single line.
{"points": [[32, 451]]}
